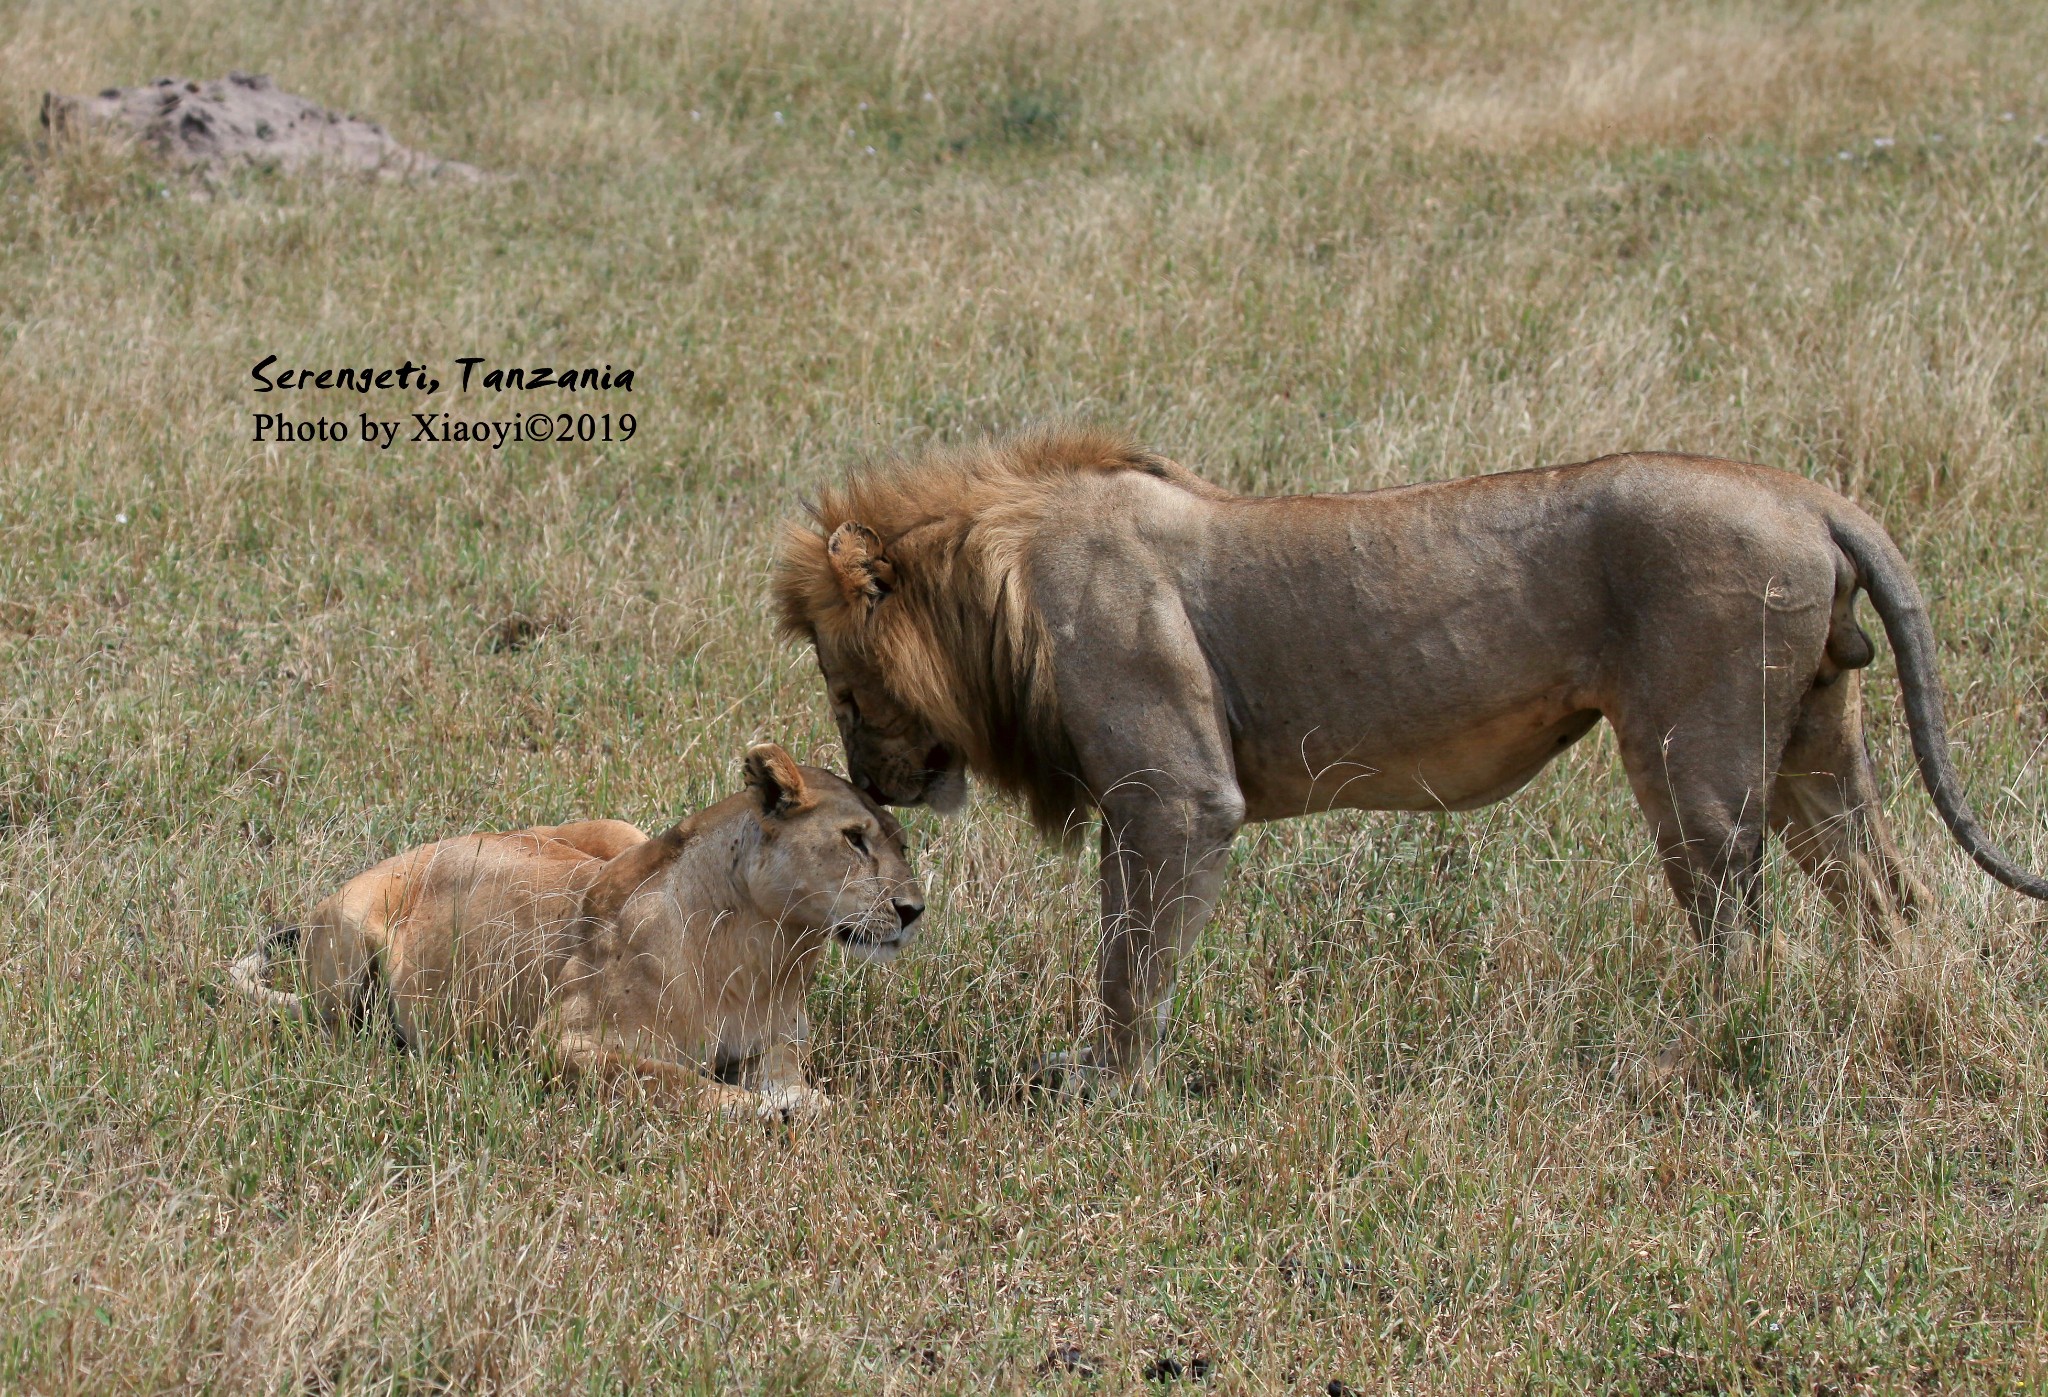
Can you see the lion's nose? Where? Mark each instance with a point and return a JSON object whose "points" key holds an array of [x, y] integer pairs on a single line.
{"points": [[907, 912]]}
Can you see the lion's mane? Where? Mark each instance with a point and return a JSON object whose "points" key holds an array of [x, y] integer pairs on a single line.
{"points": [[958, 639]]}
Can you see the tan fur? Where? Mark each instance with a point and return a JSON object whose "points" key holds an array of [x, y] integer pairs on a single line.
{"points": [[1089, 625], [681, 961]]}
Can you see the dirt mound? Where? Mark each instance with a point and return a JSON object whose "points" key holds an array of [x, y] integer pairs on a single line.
{"points": [[242, 119]]}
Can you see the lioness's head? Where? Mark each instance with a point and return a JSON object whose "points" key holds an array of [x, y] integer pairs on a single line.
{"points": [[830, 860], [893, 752]]}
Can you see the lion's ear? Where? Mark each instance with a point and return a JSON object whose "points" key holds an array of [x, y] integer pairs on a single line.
{"points": [[865, 575], [776, 780]]}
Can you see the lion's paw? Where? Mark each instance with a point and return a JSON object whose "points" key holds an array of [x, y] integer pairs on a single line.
{"points": [[1682, 1066], [1079, 1076]]}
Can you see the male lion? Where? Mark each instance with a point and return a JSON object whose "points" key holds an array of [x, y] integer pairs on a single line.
{"points": [[1090, 625], [680, 961]]}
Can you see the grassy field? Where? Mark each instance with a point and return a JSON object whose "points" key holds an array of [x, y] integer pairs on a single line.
{"points": [[1297, 245]]}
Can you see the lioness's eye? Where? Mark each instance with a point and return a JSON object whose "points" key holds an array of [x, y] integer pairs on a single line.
{"points": [[857, 840]]}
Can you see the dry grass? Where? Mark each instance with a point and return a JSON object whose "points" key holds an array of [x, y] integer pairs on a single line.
{"points": [[1296, 244]]}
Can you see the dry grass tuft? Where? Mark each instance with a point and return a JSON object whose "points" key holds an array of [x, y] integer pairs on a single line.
{"points": [[1696, 78]]}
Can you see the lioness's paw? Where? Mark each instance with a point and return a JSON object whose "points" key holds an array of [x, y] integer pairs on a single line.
{"points": [[734, 1103], [793, 1103]]}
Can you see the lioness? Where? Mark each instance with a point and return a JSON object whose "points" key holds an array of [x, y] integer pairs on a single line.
{"points": [[681, 960], [1090, 625]]}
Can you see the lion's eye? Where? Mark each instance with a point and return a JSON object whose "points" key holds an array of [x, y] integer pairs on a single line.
{"points": [[857, 840], [846, 701]]}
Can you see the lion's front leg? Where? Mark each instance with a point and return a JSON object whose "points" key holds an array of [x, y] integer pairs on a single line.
{"points": [[1152, 736], [1162, 864]]}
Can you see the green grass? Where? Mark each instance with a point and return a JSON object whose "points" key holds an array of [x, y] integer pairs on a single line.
{"points": [[1295, 245]]}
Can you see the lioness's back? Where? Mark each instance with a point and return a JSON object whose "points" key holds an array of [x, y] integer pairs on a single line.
{"points": [[463, 928]]}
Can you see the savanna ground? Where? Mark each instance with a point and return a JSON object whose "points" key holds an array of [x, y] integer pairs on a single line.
{"points": [[1401, 1142]]}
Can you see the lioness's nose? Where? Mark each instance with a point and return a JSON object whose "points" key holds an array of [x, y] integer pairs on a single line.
{"points": [[907, 911]]}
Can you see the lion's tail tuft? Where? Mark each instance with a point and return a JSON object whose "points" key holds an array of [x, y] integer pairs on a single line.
{"points": [[250, 975]]}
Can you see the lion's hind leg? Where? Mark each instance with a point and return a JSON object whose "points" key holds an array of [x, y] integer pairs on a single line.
{"points": [[1710, 844], [1703, 727], [1700, 756], [1707, 814], [1824, 804]]}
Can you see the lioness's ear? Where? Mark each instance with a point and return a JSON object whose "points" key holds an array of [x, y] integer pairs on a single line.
{"points": [[776, 780], [865, 576]]}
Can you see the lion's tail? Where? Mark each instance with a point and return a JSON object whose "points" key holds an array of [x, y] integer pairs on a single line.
{"points": [[251, 974], [1882, 570]]}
